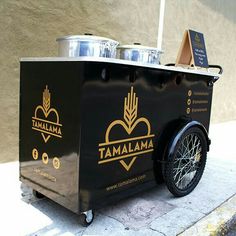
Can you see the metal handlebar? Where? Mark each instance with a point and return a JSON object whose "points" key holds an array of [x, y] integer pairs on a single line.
{"points": [[210, 66], [170, 64], [217, 67]]}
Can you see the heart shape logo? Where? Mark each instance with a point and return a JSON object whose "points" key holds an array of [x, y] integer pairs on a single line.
{"points": [[123, 147], [129, 127], [46, 119]]}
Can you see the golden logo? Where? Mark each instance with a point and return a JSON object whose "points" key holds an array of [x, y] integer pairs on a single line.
{"points": [[197, 38], [56, 163], [35, 154], [126, 151], [46, 119], [45, 158]]}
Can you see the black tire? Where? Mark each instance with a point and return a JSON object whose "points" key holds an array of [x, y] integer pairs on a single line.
{"points": [[184, 171], [38, 194], [86, 218]]}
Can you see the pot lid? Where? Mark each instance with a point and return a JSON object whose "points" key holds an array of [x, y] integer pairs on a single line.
{"points": [[86, 37], [138, 47]]}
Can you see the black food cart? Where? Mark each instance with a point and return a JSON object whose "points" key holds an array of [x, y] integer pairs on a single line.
{"points": [[96, 130]]}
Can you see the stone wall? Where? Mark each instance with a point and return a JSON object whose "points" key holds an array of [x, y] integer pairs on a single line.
{"points": [[30, 27]]}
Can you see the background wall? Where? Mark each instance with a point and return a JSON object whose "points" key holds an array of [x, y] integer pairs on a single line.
{"points": [[30, 27]]}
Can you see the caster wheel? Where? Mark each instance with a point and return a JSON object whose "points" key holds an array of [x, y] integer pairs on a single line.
{"points": [[25, 190], [86, 218], [38, 194]]}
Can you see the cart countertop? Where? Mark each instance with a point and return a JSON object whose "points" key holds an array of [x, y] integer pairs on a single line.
{"points": [[202, 71]]}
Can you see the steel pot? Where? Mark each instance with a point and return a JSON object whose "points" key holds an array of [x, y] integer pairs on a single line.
{"points": [[139, 53], [86, 45]]}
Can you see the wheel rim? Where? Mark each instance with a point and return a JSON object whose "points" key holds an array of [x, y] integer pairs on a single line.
{"points": [[187, 161]]}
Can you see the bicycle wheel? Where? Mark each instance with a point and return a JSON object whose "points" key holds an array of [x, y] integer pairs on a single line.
{"points": [[184, 171]]}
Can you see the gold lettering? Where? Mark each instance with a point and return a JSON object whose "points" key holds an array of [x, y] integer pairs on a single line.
{"points": [[46, 175], [144, 145], [137, 148], [130, 147], [124, 150], [40, 125], [59, 131], [51, 128], [101, 150], [108, 153], [116, 151], [150, 145], [54, 129]]}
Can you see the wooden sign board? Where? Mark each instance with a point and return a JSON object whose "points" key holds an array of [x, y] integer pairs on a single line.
{"points": [[192, 51]]}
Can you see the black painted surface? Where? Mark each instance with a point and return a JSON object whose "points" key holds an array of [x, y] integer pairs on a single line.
{"points": [[63, 83], [89, 96]]}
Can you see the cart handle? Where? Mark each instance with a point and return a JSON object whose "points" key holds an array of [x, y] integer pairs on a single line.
{"points": [[210, 66], [217, 67], [170, 64]]}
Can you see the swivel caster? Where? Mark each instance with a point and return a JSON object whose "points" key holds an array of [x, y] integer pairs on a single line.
{"points": [[86, 218], [37, 194]]}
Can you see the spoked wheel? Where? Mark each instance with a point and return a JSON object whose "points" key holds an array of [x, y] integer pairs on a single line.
{"points": [[185, 170], [86, 218]]}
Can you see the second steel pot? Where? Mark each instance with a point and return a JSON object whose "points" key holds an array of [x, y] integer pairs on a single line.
{"points": [[86, 45], [139, 53]]}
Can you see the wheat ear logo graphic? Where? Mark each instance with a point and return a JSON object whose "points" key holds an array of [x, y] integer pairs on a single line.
{"points": [[46, 119], [46, 99], [130, 147], [197, 38], [130, 109]]}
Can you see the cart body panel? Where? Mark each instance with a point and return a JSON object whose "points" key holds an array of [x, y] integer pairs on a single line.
{"points": [[115, 121], [50, 130]]}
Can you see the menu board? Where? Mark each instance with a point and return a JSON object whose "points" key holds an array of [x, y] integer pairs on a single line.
{"points": [[192, 51], [198, 49]]}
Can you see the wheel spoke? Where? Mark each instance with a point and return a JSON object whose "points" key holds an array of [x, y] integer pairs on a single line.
{"points": [[186, 162]]}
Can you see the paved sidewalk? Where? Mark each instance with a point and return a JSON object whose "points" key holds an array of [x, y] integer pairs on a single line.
{"points": [[155, 212]]}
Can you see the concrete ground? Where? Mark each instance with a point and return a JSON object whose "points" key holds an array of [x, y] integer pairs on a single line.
{"points": [[155, 212], [232, 230]]}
